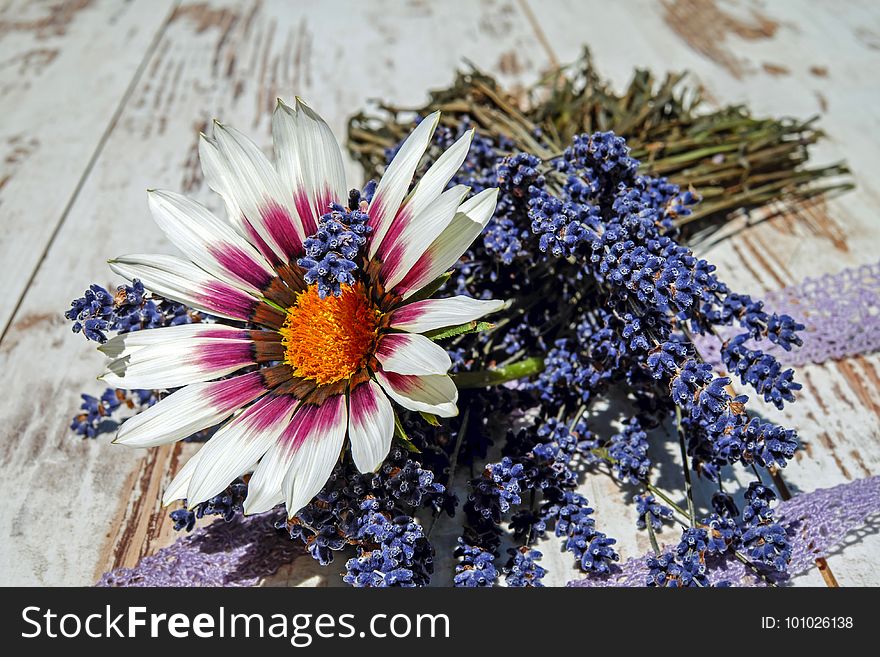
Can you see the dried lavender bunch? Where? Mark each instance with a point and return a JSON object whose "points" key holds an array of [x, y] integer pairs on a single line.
{"points": [[375, 513], [735, 161], [605, 301], [131, 308]]}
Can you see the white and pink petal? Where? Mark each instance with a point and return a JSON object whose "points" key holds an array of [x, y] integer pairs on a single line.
{"points": [[124, 344], [238, 445], [370, 426], [315, 443], [448, 247], [434, 393], [209, 242], [179, 363], [216, 172], [309, 161], [184, 282], [424, 228], [189, 410], [257, 191], [438, 175], [429, 187], [411, 353], [395, 182], [432, 314]]}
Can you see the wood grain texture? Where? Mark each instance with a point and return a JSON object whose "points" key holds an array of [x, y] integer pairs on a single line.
{"points": [[230, 59], [64, 70]]}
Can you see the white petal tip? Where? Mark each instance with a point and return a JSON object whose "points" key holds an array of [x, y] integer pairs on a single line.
{"points": [[253, 506], [121, 440], [302, 106], [280, 106]]}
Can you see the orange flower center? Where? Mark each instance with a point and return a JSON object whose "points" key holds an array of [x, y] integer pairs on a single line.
{"points": [[330, 339]]}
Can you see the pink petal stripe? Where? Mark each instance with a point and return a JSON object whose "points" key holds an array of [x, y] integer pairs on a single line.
{"points": [[325, 199], [269, 411], [224, 353], [363, 404], [392, 236], [408, 314], [391, 344], [403, 383], [377, 215], [237, 391], [306, 212], [312, 420], [226, 300], [238, 263], [279, 223], [414, 276], [210, 332], [257, 240], [310, 210]]}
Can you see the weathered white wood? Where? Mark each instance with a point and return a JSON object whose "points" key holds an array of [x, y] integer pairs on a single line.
{"points": [[64, 70], [221, 59]]}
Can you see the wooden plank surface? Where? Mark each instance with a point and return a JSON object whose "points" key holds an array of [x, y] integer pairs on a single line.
{"points": [[180, 68], [65, 68]]}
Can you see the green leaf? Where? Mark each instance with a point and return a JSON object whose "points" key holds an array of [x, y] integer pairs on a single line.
{"points": [[400, 434], [602, 453], [461, 329], [430, 288], [430, 418], [493, 377]]}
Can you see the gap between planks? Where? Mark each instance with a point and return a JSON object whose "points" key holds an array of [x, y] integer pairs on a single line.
{"points": [[114, 120]]}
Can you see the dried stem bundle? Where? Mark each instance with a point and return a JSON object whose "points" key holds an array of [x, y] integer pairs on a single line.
{"points": [[734, 160]]}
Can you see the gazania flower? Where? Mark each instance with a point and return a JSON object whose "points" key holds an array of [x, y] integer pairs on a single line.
{"points": [[323, 303]]}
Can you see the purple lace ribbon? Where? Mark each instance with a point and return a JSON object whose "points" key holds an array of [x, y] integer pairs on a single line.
{"points": [[841, 313], [245, 550], [236, 553], [816, 523]]}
